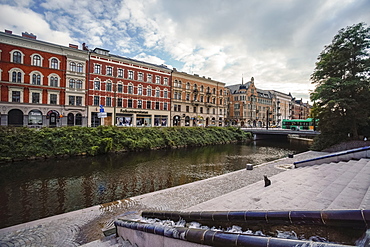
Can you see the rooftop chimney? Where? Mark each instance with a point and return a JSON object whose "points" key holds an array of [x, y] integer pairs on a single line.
{"points": [[73, 46], [29, 35]]}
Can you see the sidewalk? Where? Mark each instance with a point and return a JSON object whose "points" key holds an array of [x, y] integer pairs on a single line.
{"points": [[83, 226]]}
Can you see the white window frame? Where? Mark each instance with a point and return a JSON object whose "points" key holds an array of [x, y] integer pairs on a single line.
{"points": [[41, 60], [16, 70], [50, 63], [22, 56], [11, 89], [34, 90], [53, 92]]}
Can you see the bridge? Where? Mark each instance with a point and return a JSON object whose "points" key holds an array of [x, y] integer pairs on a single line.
{"points": [[274, 133]]}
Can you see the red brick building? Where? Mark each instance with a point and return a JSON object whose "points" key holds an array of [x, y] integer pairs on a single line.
{"points": [[33, 82], [131, 92]]}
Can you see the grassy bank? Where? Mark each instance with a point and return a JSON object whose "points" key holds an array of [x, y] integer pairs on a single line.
{"points": [[24, 143]]}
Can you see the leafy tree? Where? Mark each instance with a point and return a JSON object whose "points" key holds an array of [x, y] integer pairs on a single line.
{"points": [[342, 93]]}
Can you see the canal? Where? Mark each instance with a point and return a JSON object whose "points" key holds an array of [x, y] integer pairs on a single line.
{"points": [[32, 190]]}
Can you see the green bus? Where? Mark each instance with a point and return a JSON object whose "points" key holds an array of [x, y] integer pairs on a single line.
{"points": [[299, 124]]}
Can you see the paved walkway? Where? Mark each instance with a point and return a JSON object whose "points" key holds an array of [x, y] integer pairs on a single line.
{"points": [[83, 226]]}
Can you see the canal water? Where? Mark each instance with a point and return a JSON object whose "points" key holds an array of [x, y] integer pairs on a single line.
{"points": [[32, 190]]}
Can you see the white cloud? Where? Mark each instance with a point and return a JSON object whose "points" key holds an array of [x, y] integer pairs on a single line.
{"points": [[276, 42]]}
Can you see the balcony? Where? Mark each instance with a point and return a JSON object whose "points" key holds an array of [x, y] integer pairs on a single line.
{"points": [[195, 102]]}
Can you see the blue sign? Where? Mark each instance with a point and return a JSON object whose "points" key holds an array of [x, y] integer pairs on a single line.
{"points": [[101, 108]]}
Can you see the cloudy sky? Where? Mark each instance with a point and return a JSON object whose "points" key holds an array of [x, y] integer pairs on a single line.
{"points": [[275, 41]]}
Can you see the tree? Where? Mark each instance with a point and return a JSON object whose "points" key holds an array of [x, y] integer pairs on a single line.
{"points": [[342, 93]]}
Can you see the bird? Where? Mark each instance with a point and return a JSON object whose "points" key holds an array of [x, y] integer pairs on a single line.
{"points": [[267, 181]]}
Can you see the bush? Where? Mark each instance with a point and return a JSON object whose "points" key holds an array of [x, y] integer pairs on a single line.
{"points": [[22, 143]]}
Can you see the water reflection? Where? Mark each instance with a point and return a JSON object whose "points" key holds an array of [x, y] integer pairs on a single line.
{"points": [[33, 190]]}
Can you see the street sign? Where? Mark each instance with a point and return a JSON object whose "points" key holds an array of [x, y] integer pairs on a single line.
{"points": [[102, 114]]}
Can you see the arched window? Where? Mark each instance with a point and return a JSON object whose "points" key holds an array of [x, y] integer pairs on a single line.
{"points": [[214, 91], [17, 57], [36, 60], [70, 119], [201, 88], [54, 63], [53, 81], [187, 85], [36, 79], [79, 68], [157, 93], [16, 76], [72, 83], [72, 66]]}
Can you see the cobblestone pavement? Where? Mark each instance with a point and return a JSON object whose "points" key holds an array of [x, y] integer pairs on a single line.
{"points": [[83, 226]]}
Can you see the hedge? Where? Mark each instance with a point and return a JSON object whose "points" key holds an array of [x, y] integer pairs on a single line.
{"points": [[17, 143]]}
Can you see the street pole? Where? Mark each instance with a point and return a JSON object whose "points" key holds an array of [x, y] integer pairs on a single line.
{"points": [[267, 119]]}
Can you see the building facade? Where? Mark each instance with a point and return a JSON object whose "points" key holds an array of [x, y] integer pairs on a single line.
{"points": [[197, 101], [130, 92], [33, 88]]}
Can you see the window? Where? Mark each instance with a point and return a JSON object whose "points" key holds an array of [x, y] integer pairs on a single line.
{"points": [[72, 83], [195, 109], [149, 91], [53, 81], [130, 89], [96, 85], [54, 63], [120, 88], [97, 68], [201, 109], [148, 104], [139, 104], [157, 93], [140, 90], [79, 84], [16, 76], [157, 105], [187, 96], [175, 83], [80, 68], [35, 98], [108, 101], [119, 102], [96, 100], [17, 57], [129, 103], [72, 66], [157, 79], [165, 106], [149, 78], [214, 91], [120, 73], [201, 88], [79, 100], [36, 79], [187, 108], [53, 99], [109, 70], [131, 75], [187, 85], [165, 81], [71, 100], [140, 76], [109, 87], [201, 98], [165, 94], [36, 60], [179, 107]]}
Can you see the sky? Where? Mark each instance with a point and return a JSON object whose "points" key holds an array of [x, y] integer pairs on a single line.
{"points": [[275, 41]]}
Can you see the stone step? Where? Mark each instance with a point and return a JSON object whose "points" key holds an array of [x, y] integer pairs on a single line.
{"points": [[110, 241], [356, 188]]}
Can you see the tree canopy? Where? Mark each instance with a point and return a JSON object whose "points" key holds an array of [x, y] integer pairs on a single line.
{"points": [[342, 93]]}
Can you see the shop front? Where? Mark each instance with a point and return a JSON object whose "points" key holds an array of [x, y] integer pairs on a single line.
{"points": [[35, 119]]}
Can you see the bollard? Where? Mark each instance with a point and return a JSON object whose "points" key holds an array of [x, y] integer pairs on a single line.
{"points": [[249, 167]]}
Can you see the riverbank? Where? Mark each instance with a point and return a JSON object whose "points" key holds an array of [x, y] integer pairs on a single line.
{"points": [[20, 143], [82, 226]]}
